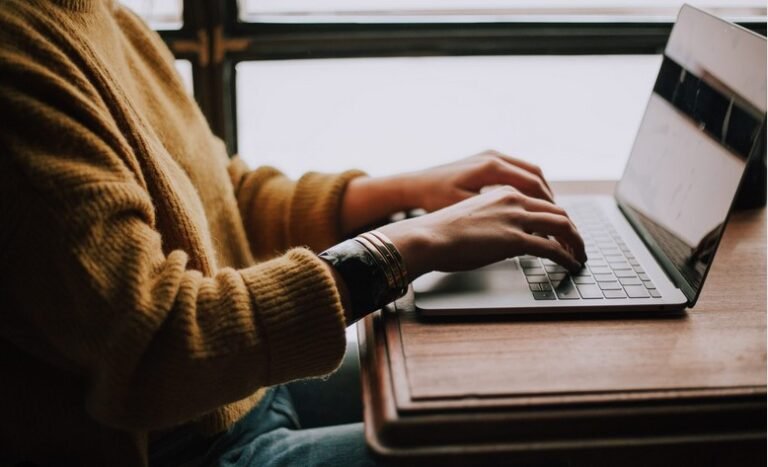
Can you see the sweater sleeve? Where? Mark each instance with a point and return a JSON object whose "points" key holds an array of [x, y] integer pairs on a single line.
{"points": [[94, 293], [276, 210]]}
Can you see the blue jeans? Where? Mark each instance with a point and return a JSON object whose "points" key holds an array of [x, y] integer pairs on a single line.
{"points": [[306, 423]]}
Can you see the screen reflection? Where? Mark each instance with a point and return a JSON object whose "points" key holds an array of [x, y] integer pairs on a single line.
{"points": [[686, 166]]}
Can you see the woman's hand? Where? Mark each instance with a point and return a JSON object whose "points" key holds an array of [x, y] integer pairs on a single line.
{"points": [[441, 186], [483, 229], [369, 200]]}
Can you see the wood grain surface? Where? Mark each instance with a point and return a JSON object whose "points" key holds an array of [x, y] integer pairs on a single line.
{"points": [[468, 373]]}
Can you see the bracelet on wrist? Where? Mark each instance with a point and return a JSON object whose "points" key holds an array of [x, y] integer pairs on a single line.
{"points": [[394, 262], [373, 270]]}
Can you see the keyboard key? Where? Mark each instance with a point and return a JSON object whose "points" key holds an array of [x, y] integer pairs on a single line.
{"points": [[614, 294], [622, 265], [636, 291], [623, 273], [649, 285], [630, 281], [583, 280], [557, 276], [536, 278], [612, 252], [638, 269], [654, 293], [556, 268], [600, 270], [643, 277], [539, 286], [589, 291], [533, 271], [544, 295], [611, 285], [633, 262], [567, 291], [529, 263], [603, 277]]}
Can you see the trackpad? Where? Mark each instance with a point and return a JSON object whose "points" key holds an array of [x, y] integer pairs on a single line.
{"points": [[497, 277]]}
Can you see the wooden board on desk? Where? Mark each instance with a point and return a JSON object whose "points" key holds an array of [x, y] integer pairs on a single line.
{"points": [[532, 387]]}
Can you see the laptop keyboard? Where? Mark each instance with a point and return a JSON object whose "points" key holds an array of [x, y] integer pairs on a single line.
{"points": [[611, 273]]}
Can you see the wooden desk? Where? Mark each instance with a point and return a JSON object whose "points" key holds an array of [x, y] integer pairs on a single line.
{"points": [[626, 391]]}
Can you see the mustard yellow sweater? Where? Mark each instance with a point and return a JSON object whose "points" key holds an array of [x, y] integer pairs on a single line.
{"points": [[130, 300]]}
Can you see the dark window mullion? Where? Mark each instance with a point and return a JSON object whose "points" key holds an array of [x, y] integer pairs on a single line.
{"points": [[275, 41]]}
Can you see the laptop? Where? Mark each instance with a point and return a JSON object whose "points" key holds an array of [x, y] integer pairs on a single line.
{"points": [[651, 244]]}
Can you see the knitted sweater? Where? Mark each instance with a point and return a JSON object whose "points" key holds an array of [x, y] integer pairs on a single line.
{"points": [[130, 300]]}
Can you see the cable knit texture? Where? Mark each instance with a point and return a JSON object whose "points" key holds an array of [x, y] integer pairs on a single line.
{"points": [[130, 300]]}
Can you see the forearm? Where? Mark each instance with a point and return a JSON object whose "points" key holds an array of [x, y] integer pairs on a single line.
{"points": [[277, 211], [146, 326], [369, 200], [221, 338]]}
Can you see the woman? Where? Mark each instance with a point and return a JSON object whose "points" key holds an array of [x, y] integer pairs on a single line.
{"points": [[156, 291]]}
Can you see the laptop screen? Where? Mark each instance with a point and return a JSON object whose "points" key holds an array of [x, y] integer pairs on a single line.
{"points": [[703, 120]]}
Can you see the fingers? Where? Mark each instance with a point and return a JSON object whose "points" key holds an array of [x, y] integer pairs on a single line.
{"points": [[533, 204], [550, 249], [535, 216], [558, 226], [525, 165], [498, 172]]}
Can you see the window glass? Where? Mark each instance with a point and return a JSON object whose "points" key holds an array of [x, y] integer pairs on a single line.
{"points": [[487, 10], [184, 67], [159, 14], [576, 116]]}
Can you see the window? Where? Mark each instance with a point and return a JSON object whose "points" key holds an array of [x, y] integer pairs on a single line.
{"points": [[389, 85], [184, 67], [576, 116], [159, 14], [308, 11]]}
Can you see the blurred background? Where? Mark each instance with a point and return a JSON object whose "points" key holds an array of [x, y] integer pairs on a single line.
{"points": [[393, 85]]}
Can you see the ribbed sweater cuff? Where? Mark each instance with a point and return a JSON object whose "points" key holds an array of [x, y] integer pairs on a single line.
{"points": [[299, 309], [316, 209]]}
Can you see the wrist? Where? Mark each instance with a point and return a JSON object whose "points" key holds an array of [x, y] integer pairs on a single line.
{"points": [[415, 245], [405, 189], [394, 192], [368, 271], [370, 200]]}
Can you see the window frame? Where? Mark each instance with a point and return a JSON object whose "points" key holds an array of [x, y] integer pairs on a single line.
{"points": [[215, 40]]}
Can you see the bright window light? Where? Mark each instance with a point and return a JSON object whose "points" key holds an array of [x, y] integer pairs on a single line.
{"points": [[576, 116], [159, 14]]}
